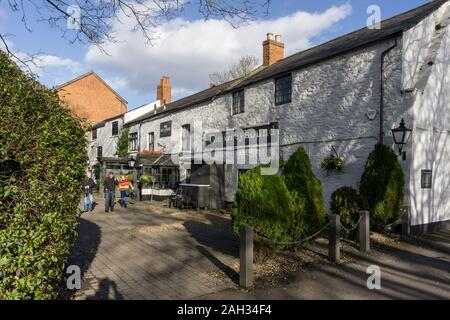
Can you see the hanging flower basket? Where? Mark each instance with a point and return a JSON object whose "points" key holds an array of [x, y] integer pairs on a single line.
{"points": [[145, 180], [333, 162]]}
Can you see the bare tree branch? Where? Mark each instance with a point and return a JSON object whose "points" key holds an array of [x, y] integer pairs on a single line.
{"points": [[25, 63], [95, 19], [243, 67]]}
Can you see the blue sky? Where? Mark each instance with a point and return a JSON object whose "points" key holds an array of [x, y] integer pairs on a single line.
{"points": [[189, 48]]}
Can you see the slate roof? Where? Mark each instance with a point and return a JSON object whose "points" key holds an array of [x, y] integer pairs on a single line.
{"points": [[389, 28], [155, 160], [103, 122]]}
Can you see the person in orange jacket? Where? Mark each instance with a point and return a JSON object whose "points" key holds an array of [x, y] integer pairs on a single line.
{"points": [[125, 186]]}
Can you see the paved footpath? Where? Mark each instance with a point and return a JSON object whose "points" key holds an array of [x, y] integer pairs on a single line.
{"points": [[146, 253], [419, 269]]}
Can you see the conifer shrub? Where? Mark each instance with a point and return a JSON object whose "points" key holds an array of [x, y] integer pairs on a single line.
{"points": [[382, 184], [347, 203], [264, 202], [42, 163], [306, 191]]}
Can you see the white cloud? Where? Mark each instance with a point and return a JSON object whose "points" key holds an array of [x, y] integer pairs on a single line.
{"points": [[188, 51], [51, 69]]}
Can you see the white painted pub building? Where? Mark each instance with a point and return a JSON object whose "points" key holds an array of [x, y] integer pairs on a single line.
{"points": [[347, 94]]}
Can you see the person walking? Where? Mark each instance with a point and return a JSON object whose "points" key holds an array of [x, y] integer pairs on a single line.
{"points": [[125, 188], [88, 188], [110, 192]]}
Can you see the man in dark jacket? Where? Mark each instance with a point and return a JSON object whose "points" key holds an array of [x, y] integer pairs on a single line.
{"points": [[88, 188], [110, 191]]}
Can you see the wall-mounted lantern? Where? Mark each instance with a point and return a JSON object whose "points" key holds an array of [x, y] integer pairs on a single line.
{"points": [[401, 136], [131, 161]]}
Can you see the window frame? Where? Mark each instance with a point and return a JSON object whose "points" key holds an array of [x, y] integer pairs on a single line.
{"points": [[115, 123], [426, 179], [189, 138], [151, 134], [238, 102], [94, 134], [133, 141], [99, 152], [284, 90]]}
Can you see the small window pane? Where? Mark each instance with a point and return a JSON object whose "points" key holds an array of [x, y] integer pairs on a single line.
{"points": [[94, 134], [99, 152], [151, 141], [186, 137], [133, 141], [283, 90], [238, 102], [115, 128], [427, 179]]}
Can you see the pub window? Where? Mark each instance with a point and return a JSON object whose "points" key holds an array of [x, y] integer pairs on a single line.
{"points": [[283, 90], [99, 152], [132, 142], [151, 141], [427, 179], [94, 134], [186, 137], [115, 128], [238, 101]]}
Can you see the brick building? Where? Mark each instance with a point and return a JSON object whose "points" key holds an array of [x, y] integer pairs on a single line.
{"points": [[91, 98]]}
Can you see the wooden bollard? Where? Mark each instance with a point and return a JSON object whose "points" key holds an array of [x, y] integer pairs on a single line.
{"points": [[334, 238], [406, 222], [364, 231], [246, 257]]}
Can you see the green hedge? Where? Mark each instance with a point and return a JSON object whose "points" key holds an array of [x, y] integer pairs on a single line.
{"points": [[306, 190], [264, 202], [347, 203], [382, 184], [42, 161]]}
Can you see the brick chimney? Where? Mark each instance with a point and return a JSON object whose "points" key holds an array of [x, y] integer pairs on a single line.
{"points": [[273, 50], [164, 90]]}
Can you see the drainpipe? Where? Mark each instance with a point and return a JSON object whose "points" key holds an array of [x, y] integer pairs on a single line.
{"points": [[383, 55]]}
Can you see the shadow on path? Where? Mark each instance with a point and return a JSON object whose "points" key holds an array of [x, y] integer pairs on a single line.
{"points": [[86, 245], [104, 289]]}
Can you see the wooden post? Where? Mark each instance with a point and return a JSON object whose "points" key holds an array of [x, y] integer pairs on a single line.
{"points": [[364, 231], [406, 222], [334, 244], [246, 257]]}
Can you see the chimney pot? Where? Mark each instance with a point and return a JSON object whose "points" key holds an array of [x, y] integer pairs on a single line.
{"points": [[278, 38], [269, 36]]}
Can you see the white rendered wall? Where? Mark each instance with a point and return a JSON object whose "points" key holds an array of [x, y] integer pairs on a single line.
{"points": [[431, 109]]}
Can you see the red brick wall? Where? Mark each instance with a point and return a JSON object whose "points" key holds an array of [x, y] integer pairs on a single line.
{"points": [[91, 99], [272, 52]]}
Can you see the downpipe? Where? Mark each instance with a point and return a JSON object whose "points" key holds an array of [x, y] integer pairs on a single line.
{"points": [[383, 55]]}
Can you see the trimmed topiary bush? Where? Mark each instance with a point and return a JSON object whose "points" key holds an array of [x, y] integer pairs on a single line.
{"points": [[382, 184], [42, 163], [264, 202], [347, 203], [306, 190]]}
